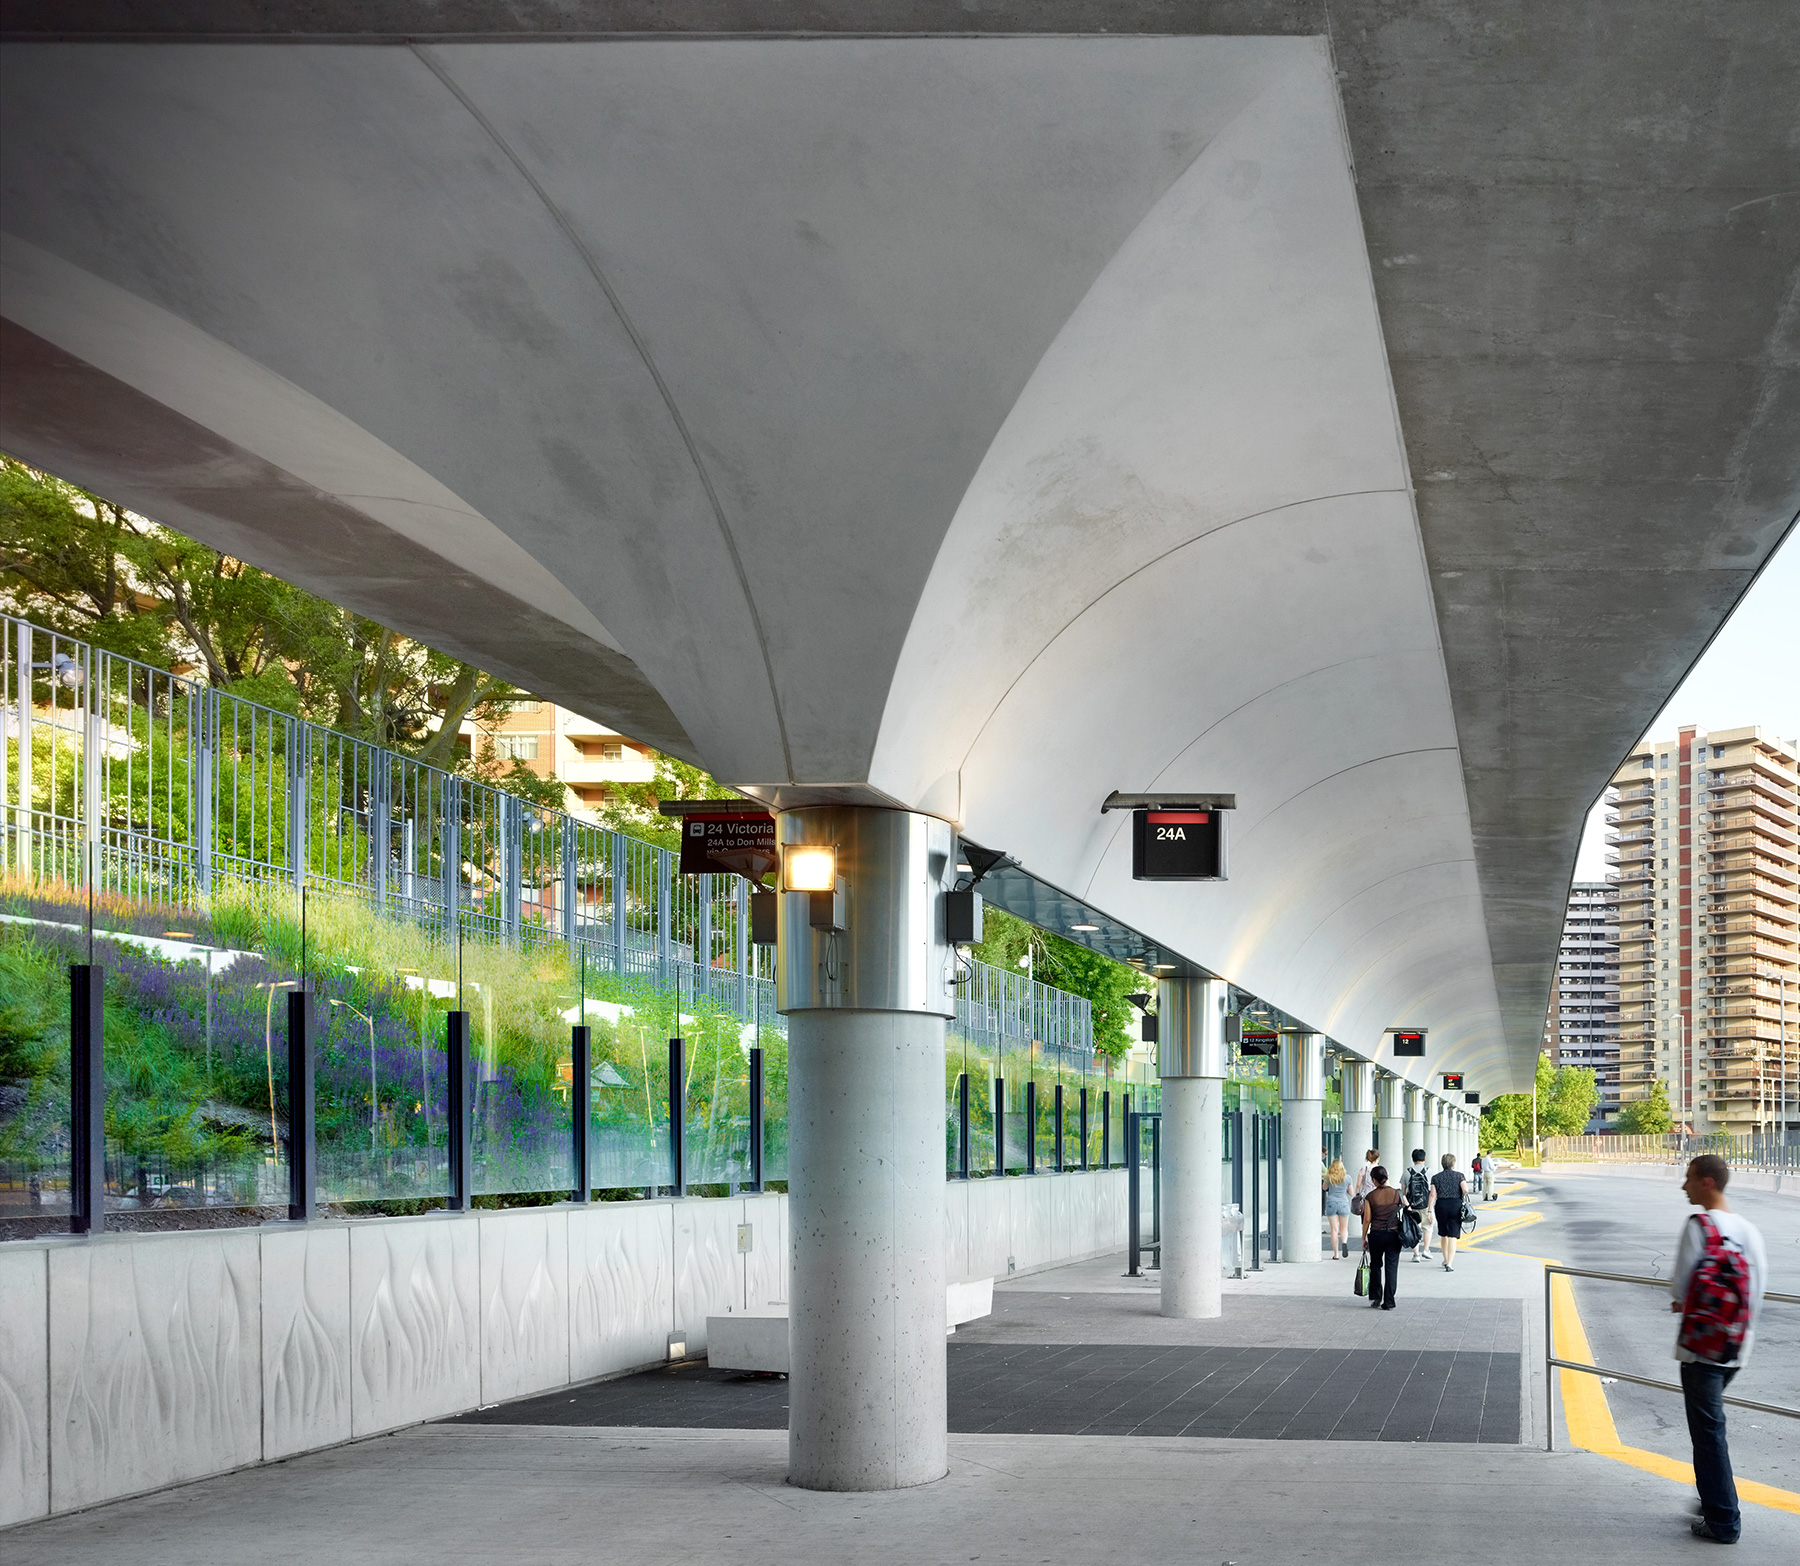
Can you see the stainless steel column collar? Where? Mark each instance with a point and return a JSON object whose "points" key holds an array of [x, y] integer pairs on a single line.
{"points": [[1191, 1022], [1357, 1084], [1302, 1065], [1388, 1105]]}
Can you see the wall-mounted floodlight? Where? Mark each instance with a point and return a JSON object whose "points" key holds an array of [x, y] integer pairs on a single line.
{"points": [[809, 867]]}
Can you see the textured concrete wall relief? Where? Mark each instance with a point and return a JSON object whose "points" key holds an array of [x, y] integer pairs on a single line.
{"points": [[415, 1321], [524, 1302], [708, 1270], [306, 1338], [154, 1374], [24, 1387], [621, 1287]]}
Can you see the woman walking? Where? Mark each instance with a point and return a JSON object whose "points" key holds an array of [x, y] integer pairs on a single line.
{"points": [[1450, 1190], [1337, 1208], [1381, 1239]]}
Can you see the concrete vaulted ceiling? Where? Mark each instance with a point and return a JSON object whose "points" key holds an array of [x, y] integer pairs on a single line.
{"points": [[1372, 415]]}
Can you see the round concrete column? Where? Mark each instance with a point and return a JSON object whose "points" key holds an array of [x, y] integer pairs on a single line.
{"points": [[1434, 1131], [864, 980], [1191, 1062], [1357, 1084], [1413, 1134], [1390, 1123], [1302, 1133]]}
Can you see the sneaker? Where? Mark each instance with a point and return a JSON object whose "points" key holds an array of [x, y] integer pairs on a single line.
{"points": [[1446, 1266], [1702, 1529]]}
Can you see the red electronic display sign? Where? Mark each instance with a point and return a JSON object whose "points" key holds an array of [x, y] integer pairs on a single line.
{"points": [[1409, 1043], [1453, 1082], [1177, 845]]}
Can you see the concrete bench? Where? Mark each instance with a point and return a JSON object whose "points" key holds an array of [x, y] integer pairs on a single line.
{"points": [[757, 1339]]}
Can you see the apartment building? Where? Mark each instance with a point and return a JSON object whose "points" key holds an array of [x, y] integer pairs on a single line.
{"points": [[588, 757], [1583, 1027], [1706, 837]]}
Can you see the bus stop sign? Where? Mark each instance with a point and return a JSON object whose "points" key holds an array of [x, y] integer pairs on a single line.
{"points": [[1177, 845]]}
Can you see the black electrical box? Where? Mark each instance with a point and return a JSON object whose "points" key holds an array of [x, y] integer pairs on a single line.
{"points": [[1150, 1032], [1178, 845], [763, 918], [962, 918]]}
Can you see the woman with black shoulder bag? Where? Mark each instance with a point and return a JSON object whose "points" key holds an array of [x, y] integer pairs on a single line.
{"points": [[1381, 1218]]}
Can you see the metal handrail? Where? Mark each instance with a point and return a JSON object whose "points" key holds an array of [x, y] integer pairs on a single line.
{"points": [[1551, 1361]]}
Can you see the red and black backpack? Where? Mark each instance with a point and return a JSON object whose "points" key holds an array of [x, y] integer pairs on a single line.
{"points": [[1715, 1316]]}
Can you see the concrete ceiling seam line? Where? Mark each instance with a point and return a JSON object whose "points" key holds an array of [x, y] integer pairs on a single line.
{"points": [[1174, 761], [439, 70], [157, 353]]}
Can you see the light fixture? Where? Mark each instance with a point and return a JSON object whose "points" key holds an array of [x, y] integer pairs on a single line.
{"points": [[809, 867], [1084, 927], [1165, 967], [965, 869]]}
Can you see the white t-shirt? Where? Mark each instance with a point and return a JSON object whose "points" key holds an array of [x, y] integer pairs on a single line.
{"points": [[1365, 1182], [1744, 1234]]}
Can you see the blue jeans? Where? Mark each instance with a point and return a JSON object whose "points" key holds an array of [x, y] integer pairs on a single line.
{"points": [[1703, 1389]]}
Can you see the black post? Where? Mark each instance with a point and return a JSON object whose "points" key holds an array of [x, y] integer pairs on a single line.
{"points": [[87, 1098], [1106, 1129], [1031, 1127], [581, 1101], [962, 1126], [1132, 1214], [1156, 1185], [677, 1119], [1237, 1158], [999, 1112], [1084, 1129], [756, 1119], [459, 1117], [1255, 1182], [303, 1171], [1057, 1115], [1274, 1188]]}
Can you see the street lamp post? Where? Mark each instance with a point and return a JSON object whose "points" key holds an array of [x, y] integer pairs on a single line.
{"points": [[346, 1006]]}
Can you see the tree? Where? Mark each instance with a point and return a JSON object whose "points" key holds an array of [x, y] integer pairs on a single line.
{"points": [[631, 807], [1649, 1115], [1007, 940], [1566, 1098], [87, 568], [1505, 1122]]}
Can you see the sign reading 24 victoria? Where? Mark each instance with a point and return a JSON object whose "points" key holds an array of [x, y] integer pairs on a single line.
{"points": [[735, 843]]}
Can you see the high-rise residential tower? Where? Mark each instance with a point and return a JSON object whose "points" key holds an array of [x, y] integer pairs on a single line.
{"points": [[1583, 1028], [1706, 830]]}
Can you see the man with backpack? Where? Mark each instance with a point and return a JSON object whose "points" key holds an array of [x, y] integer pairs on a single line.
{"points": [[1718, 1287], [1417, 1191]]}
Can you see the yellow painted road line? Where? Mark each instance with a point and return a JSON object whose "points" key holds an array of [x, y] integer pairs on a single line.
{"points": [[1589, 1418], [1503, 1227]]}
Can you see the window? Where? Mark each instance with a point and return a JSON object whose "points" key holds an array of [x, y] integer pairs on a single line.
{"points": [[612, 750], [516, 747], [523, 704]]}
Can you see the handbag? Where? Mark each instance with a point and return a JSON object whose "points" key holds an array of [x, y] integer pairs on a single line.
{"points": [[1410, 1229], [1468, 1216], [1356, 1204], [1360, 1284]]}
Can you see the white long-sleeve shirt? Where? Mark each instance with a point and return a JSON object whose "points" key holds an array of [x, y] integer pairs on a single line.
{"points": [[1739, 1229]]}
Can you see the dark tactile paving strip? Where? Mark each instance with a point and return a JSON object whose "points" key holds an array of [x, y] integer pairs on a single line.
{"points": [[1399, 1393]]}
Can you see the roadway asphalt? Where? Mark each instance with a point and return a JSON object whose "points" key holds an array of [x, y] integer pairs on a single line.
{"points": [[1629, 1223]]}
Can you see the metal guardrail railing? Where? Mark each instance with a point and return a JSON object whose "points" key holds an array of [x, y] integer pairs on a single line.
{"points": [[1552, 1362]]}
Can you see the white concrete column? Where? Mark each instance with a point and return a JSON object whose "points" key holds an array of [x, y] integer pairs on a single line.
{"points": [[1302, 1133], [1191, 1060], [863, 980], [1413, 1133], [1357, 1079], [1390, 1123], [1434, 1131]]}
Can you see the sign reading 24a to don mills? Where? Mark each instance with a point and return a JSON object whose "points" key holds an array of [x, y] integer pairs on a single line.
{"points": [[738, 843]]}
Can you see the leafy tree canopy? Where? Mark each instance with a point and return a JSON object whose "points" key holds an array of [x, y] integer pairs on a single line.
{"points": [[1566, 1097], [631, 807], [80, 565], [1648, 1116], [1008, 941]]}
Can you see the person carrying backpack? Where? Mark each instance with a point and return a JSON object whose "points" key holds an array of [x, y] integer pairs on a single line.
{"points": [[1417, 1191], [1717, 1287]]}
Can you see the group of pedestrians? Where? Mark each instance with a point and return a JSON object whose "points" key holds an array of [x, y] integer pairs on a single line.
{"points": [[1395, 1218]]}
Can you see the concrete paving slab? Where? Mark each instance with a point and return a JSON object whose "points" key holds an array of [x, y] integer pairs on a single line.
{"points": [[558, 1497]]}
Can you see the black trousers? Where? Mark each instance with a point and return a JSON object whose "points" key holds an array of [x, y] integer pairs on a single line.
{"points": [[1384, 1265]]}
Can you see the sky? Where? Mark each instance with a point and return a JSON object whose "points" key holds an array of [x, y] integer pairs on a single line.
{"points": [[1750, 674]]}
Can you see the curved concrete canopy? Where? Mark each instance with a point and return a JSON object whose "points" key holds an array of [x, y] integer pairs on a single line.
{"points": [[978, 424]]}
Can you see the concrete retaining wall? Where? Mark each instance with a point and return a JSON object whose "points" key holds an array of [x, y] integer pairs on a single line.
{"points": [[130, 1362]]}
